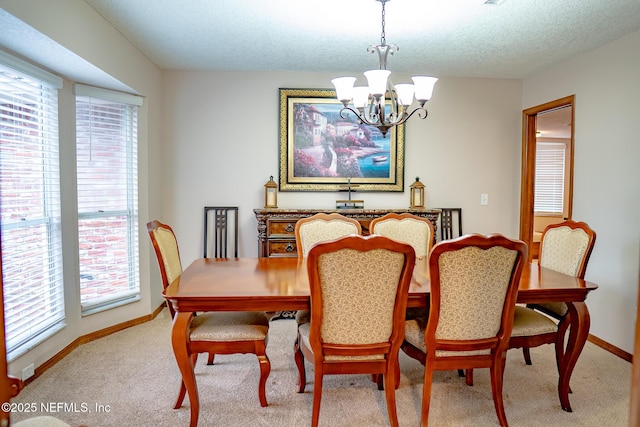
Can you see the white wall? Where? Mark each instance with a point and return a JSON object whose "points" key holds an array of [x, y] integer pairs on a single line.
{"points": [[606, 190], [222, 139]]}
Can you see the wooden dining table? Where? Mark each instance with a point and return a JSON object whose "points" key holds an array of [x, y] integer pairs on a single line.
{"points": [[281, 284]]}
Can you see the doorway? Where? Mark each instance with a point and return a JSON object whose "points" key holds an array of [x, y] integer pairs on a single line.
{"points": [[552, 121]]}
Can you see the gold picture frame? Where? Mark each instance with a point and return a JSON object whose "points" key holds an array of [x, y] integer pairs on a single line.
{"points": [[322, 151]]}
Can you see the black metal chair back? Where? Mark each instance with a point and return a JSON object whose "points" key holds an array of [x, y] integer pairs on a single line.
{"points": [[449, 217], [224, 230]]}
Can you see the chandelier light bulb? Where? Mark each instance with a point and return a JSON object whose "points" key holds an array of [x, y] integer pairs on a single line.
{"points": [[405, 93], [344, 88], [361, 96], [377, 80], [424, 87]]}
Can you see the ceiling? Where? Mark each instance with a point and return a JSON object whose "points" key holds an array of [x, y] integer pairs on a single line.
{"points": [[455, 38]]}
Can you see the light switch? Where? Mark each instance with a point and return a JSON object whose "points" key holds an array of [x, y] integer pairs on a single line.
{"points": [[484, 199]]}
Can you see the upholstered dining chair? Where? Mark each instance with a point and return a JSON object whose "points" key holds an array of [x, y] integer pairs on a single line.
{"points": [[474, 284], [568, 246], [317, 228], [564, 247], [415, 231], [322, 227], [212, 332], [359, 288], [406, 228]]}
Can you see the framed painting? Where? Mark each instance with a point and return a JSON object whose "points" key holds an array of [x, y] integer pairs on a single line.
{"points": [[321, 151]]}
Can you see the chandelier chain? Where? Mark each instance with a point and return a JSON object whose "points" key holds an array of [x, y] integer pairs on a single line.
{"points": [[383, 38]]}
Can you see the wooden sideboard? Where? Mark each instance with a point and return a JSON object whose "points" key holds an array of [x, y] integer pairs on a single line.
{"points": [[276, 227]]}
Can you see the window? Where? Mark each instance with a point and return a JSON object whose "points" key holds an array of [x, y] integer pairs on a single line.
{"points": [[549, 182], [30, 205], [107, 180]]}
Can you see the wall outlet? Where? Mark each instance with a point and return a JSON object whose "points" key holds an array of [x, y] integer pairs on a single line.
{"points": [[28, 372], [484, 199]]}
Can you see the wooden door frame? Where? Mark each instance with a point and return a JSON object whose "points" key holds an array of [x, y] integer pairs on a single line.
{"points": [[527, 180]]}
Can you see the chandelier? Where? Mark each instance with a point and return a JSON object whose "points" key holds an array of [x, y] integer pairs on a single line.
{"points": [[368, 102]]}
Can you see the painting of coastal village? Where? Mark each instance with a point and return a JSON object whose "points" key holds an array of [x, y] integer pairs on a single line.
{"points": [[324, 150], [327, 145]]}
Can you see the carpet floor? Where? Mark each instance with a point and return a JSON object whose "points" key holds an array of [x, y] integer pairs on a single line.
{"points": [[130, 378]]}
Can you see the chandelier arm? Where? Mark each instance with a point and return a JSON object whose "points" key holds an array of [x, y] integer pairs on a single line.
{"points": [[422, 113], [344, 113]]}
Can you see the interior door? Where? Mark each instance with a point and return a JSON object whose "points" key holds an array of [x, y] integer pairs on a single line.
{"points": [[532, 123]]}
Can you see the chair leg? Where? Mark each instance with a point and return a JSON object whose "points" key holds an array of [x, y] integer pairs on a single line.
{"points": [[183, 390], [390, 393], [298, 357], [497, 374], [317, 395], [563, 326], [468, 378], [527, 355], [181, 395], [426, 393], [265, 369], [379, 380], [210, 360]]}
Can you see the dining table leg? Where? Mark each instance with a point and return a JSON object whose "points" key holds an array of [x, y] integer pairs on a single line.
{"points": [[580, 321], [179, 340]]}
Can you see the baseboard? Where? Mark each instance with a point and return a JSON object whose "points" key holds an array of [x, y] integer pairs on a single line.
{"points": [[611, 348], [91, 337]]}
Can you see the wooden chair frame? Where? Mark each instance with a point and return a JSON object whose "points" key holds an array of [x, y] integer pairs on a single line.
{"points": [[563, 320], [497, 345], [257, 347], [319, 349], [558, 337]]}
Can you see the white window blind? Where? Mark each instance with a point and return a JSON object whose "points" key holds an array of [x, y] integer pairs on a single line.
{"points": [[549, 181], [30, 205], [107, 181]]}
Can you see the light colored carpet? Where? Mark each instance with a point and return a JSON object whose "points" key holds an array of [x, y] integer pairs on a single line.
{"points": [[133, 375]]}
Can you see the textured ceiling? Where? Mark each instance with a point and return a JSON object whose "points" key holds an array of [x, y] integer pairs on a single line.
{"points": [[512, 40]]}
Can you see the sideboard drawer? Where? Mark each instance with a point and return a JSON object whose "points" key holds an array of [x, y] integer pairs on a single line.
{"points": [[281, 227], [282, 248]]}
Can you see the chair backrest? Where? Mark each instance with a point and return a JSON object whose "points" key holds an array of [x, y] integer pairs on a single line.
{"points": [[474, 285], [224, 231], [359, 288], [450, 223], [323, 227], [165, 246], [406, 228], [566, 247]]}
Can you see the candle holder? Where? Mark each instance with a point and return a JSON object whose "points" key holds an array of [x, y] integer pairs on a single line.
{"points": [[271, 194], [416, 192]]}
